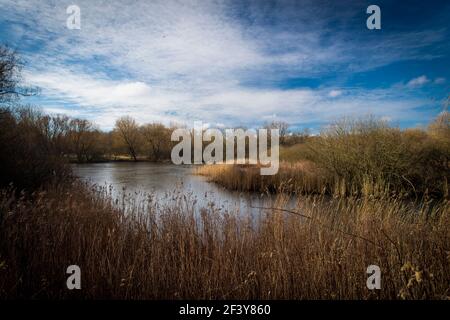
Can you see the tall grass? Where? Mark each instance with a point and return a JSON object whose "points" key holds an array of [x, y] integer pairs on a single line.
{"points": [[155, 251], [298, 177], [355, 157]]}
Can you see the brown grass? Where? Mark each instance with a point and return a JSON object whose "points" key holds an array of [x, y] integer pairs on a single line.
{"points": [[146, 250], [355, 157], [365, 155], [298, 177], [301, 177]]}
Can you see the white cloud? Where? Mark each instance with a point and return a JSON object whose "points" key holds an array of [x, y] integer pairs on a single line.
{"points": [[418, 82], [422, 80], [88, 91], [194, 43], [335, 93], [181, 61], [105, 100], [439, 80]]}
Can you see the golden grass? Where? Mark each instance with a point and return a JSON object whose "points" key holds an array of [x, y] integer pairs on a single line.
{"points": [[298, 177], [155, 251], [294, 153], [302, 177]]}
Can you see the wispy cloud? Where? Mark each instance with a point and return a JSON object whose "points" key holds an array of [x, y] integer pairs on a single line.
{"points": [[171, 60], [335, 93], [105, 100], [417, 82], [439, 80], [423, 80]]}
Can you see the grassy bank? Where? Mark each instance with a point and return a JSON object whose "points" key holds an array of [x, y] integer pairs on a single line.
{"points": [[144, 250], [355, 157], [116, 158]]}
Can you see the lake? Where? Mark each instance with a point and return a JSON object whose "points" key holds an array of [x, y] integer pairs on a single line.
{"points": [[164, 182]]}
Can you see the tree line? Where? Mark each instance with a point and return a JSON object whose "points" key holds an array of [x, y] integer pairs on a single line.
{"points": [[80, 140]]}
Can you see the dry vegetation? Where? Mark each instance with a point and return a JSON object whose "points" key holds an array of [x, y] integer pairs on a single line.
{"points": [[355, 157], [297, 177], [320, 251]]}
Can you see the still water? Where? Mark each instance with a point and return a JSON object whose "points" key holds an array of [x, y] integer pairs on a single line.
{"points": [[165, 182]]}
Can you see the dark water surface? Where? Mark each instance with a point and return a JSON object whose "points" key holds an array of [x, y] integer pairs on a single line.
{"points": [[165, 182]]}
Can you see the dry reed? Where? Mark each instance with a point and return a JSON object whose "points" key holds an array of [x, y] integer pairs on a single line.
{"points": [[179, 251]]}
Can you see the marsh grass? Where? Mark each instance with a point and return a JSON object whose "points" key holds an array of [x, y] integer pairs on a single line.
{"points": [[148, 250], [355, 157], [299, 177]]}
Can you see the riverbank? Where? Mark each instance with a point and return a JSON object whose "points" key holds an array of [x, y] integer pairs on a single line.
{"points": [[355, 158], [118, 158]]}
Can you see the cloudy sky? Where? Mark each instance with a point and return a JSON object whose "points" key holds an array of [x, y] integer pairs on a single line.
{"points": [[230, 63]]}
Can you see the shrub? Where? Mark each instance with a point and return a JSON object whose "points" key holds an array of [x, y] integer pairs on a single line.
{"points": [[28, 158], [365, 155]]}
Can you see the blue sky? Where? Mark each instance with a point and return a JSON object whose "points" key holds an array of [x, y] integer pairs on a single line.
{"points": [[230, 63]]}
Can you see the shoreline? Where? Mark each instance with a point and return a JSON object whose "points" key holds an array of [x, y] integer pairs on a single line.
{"points": [[118, 160]]}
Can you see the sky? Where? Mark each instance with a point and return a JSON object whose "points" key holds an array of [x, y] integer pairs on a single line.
{"points": [[233, 63]]}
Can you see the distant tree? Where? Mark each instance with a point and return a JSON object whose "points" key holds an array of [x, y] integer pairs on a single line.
{"points": [[83, 140], [281, 126], [157, 140], [30, 149], [297, 137], [127, 130]]}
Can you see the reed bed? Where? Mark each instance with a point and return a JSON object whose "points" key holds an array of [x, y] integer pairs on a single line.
{"points": [[355, 157], [148, 250], [299, 177]]}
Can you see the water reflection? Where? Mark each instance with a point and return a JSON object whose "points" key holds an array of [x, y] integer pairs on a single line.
{"points": [[165, 182]]}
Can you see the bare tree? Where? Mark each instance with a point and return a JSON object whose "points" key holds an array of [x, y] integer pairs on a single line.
{"points": [[129, 133], [157, 138], [83, 140], [297, 137], [281, 126], [9, 71], [10, 66]]}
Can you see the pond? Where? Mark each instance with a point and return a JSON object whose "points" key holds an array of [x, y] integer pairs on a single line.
{"points": [[165, 181]]}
